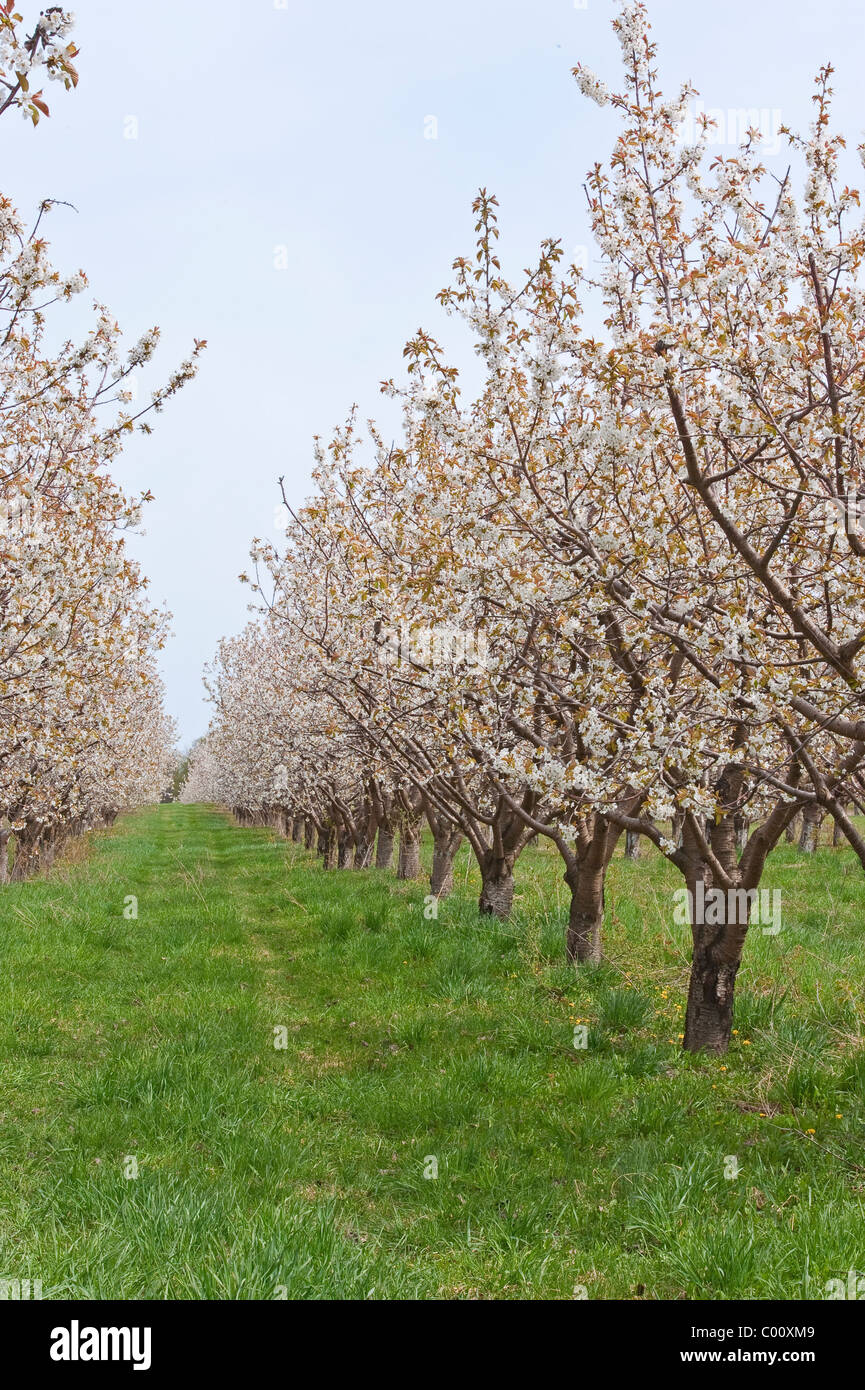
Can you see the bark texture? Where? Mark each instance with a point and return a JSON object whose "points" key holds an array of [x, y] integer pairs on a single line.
{"points": [[497, 885], [344, 850], [408, 864], [585, 875], [384, 848], [445, 848], [811, 819]]}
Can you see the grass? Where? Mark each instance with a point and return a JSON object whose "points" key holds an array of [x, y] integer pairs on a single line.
{"points": [[412, 1044]]}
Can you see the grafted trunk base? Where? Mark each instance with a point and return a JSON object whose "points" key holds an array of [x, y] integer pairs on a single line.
{"points": [[497, 889], [811, 818], [583, 945], [709, 1017], [26, 860], [445, 852], [408, 865], [384, 848], [327, 847]]}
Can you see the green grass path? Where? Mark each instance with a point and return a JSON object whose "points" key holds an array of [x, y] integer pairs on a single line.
{"points": [[301, 1170]]}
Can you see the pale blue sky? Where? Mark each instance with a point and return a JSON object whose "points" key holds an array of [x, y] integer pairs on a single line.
{"points": [[301, 125]]}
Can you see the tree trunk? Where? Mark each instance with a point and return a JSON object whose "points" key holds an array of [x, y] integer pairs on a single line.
{"points": [[790, 833], [26, 852], [811, 818], [632, 844], [309, 834], [297, 830], [497, 885], [586, 916], [709, 1019], [363, 851], [48, 849], [4, 855], [445, 848], [719, 922], [384, 848], [409, 850], [327, 846], [720, 916], [585, 874]]}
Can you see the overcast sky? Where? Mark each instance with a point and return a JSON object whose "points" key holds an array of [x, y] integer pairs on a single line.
{"points": [[210, 143]]}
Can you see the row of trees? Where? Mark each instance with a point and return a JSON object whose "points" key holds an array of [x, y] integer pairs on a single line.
{"points": [[618, 589], [83, 730]]}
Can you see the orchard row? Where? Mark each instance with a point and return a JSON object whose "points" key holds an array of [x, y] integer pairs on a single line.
{"points": [[83, 732], [617, 587]]}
